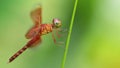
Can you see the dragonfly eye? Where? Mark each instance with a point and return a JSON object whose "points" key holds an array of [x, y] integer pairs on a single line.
{"points": [[57, 23]]}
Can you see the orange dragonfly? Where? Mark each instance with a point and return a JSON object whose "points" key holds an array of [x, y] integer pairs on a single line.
{"points": [[39, 29]]}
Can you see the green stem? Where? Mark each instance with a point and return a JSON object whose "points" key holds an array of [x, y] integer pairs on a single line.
{"points": [[69, 35]]}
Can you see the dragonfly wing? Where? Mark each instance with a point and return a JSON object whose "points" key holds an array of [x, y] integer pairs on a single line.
{"points": [[34, 41], [37, 40], [36, 15], [32, 32]]}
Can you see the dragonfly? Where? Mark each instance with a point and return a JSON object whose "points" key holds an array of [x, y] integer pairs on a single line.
{"points": [[34, 34]]}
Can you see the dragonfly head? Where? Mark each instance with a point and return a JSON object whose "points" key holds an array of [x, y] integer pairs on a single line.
{"points": [[57, 23]]}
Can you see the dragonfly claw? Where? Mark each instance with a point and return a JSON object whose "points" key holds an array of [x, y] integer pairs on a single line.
{"points": [[62, 30], [60, 43]]}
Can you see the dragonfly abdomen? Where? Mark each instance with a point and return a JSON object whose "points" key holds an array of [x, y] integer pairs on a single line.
{"points": [[18, 53]]}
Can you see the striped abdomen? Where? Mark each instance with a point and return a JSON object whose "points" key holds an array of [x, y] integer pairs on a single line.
{"points": [[18, 53], [33, 41]]}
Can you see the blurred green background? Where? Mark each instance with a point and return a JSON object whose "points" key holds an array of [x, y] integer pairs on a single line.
{"points": [[15, 21], [95, 40]]}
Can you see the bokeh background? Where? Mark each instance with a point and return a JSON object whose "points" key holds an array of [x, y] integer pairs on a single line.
{"points": [[95, 40], [15, 21]]}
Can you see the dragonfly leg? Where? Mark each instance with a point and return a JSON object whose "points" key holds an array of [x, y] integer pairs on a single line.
{"points": [[58, 35], [62, 30], [53, 38], [60, 43]]}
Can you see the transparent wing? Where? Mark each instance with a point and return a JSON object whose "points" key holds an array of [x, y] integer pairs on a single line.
{"points": [[36, 15], [32, 32]]}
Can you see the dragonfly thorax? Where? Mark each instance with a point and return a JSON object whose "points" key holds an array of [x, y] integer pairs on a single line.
{"points": [[45, 29]]}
